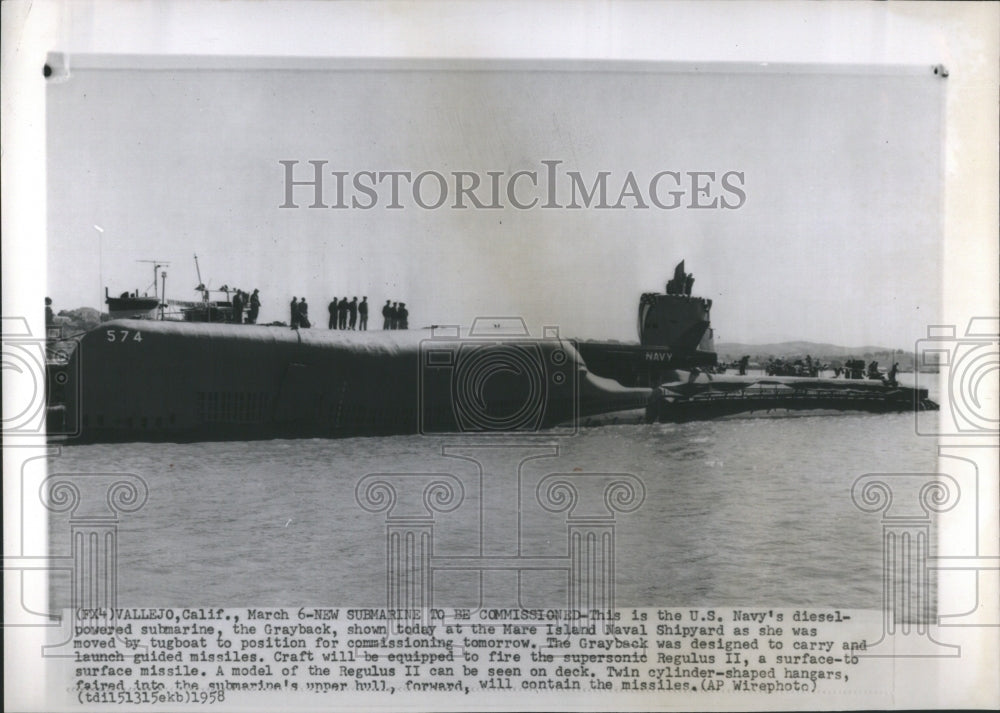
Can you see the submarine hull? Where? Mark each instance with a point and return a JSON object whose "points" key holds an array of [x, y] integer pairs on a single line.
{"points": [[145, 380]]}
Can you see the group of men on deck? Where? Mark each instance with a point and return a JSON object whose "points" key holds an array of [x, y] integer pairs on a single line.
{"points": [[395, 315], [242, 301], [299, 316], [682, 282], [348, 315]]}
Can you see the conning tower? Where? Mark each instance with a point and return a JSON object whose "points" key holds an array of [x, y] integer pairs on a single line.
{"points": [[674, 333], [676, 319]]}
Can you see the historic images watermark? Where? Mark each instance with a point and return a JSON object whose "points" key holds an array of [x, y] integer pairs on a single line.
{"points": [[966, 365], [547, 186], [906, 502], [968, 370], [497, 379], [584, 566], [37, 372], [505, 397], [93, 504]]}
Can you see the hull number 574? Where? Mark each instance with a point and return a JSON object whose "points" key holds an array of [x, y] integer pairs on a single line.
{"points": [[124, 335]]}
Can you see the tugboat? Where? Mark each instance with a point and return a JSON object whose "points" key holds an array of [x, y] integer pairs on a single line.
{"points": [[132, 305]]}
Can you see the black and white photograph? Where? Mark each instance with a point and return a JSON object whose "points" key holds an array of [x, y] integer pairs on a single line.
{"points": [[452, 356]]}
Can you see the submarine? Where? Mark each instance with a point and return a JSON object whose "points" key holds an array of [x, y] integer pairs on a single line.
{"points": [[148, 379], [135, 379]]}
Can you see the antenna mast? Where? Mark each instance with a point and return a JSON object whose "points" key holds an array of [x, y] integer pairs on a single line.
{"points": [[157, 264]]}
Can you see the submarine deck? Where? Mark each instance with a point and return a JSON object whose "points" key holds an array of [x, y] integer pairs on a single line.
{"points": [[703, 397]]}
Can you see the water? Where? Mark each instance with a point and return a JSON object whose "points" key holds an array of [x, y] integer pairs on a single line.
{"points": [[737, 512]]}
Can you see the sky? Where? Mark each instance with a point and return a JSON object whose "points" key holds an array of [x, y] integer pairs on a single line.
{"points": [[834, 239]]}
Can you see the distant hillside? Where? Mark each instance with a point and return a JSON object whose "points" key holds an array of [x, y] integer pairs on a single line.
{"points": [[81, 319], [825, 353], [798, 348]]}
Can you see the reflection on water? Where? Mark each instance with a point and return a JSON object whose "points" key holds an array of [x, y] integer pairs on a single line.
{"points": [[736, 512]]}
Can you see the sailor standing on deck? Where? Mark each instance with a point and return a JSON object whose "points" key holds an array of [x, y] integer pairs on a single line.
{"points": [[342, 313], [304, 313], [352, 309], [254, 306], [363, 314], [295, 313], [238, 307], [873, 372], [386, 316], [394, 316], [402, 317], [332, 309]]}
